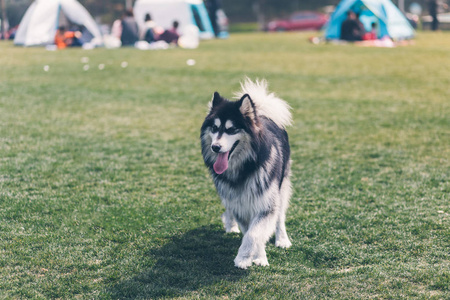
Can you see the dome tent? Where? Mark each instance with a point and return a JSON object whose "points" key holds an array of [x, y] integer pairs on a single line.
{"points": [[186, 12], [389, 19], [43, 17]]}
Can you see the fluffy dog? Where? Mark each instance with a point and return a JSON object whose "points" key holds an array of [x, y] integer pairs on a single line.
{"points": [[246, 148]]}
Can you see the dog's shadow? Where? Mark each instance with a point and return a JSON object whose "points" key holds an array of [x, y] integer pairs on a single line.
{"points": [[199, 258]]}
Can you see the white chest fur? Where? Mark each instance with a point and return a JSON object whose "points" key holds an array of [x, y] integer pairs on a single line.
{"points": [[247, 202]]}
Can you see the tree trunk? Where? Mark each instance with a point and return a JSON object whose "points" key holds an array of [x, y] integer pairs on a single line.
{"points": [[3, 16], [401, 5], [128, 4]]}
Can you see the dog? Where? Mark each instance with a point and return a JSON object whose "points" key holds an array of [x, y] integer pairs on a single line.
{"points": [[246, 148]]}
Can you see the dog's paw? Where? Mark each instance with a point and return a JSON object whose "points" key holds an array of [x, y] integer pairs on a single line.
{"points": [[230, 225], [261, 261], [242, 263], [283, 243], [234, 229]]}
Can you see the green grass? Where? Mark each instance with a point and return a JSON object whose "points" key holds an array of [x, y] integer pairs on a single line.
{"points": [[244, 27], [103, 192]]}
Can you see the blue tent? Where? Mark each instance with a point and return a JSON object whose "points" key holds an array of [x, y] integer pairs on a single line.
{"points": [[389, 19]]}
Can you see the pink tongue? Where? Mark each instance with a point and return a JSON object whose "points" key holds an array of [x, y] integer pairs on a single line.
{"points": [[221, 163]]}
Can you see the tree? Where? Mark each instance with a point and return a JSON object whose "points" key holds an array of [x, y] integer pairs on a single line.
{"points": [[3, 30], [261, 11]]}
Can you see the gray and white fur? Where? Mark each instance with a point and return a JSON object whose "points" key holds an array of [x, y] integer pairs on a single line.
{"points": [[246, 148]]}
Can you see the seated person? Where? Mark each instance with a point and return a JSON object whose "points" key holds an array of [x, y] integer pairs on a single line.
{"points": [[372, 35], [82, 36], [350, 29], [148, 33], [170, 35], [64, 38], [130, 30]]}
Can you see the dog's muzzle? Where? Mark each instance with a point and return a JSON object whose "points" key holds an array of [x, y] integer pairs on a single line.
{"points": [[216, 148]]}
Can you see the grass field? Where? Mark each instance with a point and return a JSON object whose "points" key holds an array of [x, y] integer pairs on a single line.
{"points": [[103, 191]]}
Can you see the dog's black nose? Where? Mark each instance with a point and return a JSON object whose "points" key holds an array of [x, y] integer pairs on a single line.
{"points": [[215, 148]]}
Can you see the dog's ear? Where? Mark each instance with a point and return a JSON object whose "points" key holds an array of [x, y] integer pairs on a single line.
{"points": [[247, 108], [216, 99]]}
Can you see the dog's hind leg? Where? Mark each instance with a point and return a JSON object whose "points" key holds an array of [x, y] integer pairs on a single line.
{"points": [[229, 222], [281, 237]]}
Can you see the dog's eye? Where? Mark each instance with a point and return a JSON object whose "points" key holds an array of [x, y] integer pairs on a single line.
{"points": [[214, 129], [231, 130]]}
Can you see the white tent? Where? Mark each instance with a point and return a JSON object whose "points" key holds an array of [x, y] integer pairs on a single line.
{"points": [[186, 12], [39, 25]]}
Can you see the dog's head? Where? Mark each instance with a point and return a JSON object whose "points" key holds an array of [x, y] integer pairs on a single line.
{"points": [[227, 131]]}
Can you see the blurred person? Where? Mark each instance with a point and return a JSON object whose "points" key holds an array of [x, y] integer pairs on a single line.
{"points": [[433, 10], [372, 34], [362, 29], [212, 6], [116, 29], [171, 36], [12, 32], [350, 29], [175, 26], [86, 35], [130, 29], [64, 38], [148, 33], [80, 35]]}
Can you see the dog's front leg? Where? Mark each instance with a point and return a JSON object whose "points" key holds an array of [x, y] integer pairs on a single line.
{"points": [[229, 222], [252, 249]]}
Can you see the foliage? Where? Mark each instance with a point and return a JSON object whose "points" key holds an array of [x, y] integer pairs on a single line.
{"points": [[236, 10]]}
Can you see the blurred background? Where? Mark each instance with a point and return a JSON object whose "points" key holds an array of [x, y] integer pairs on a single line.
{"points": [[243, 15]]}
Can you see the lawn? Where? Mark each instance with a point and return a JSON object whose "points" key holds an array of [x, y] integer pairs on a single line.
{"points": [[103, 191]]}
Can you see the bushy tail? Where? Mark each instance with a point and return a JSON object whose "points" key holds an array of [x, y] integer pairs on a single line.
{"points": [[267, 104]]}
